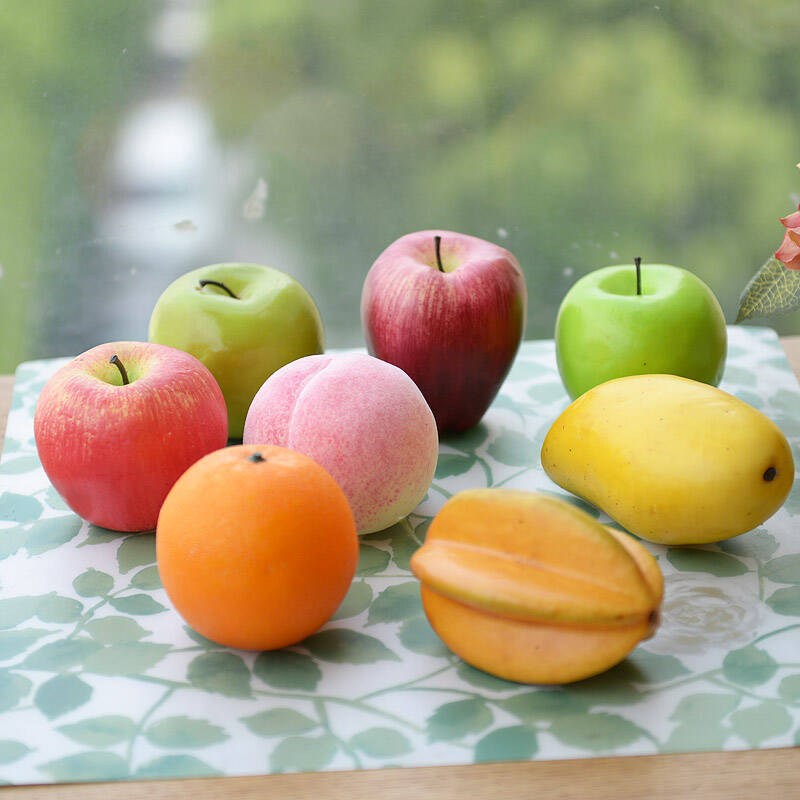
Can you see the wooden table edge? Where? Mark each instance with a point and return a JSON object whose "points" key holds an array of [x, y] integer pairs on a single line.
{"points": [[716, 775]]}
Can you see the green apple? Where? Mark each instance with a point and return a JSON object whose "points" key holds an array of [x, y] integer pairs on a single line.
{"points": [[606, 330], [243, 321]]}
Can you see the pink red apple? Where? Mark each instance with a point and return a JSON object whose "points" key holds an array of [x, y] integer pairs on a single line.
{"points": [[449, 310], [118, 425], [363, 420]]}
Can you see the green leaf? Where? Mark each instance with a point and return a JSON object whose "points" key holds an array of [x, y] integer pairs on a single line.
{"points": [[101, 731], [184, 732], [756, 544], [61, 694], [345, 646], [97, 535], [482, 680], [785, 601], [544, 704], [93, 583], [773, 288], [114, 630], [738, 375], [19, 507], [749, 666], [691, 559], [514, 743], [89, 766], [303, 753], [547, 393], [55, 500], [450, 464], [514, 449], [137, 604], [697, 709], [279, 722], [201, 640], [11, 751], [12, 689], [395, 603], [418, 636], [759, 723], [12, 643], [458, 719], [58, 609], [404, 545], [381, 743], [47, 534], [14, 610], [655, 667], [138, 550], [696, 735], [127, 658], [60, 655], [468, 440], [177, 766], [789, 688], [357, 600], [224, 673], [615, 687], [285, 669], [596, 732], [371, 560], [785, 569], [17, 466], [11, 539], [147, 578]]}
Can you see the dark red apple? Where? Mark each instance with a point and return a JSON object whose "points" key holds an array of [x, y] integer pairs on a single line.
{"points": [[449, 310], [119, 424]]}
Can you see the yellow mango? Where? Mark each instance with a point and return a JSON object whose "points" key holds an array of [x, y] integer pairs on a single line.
{"points": [[672, 460], [531, 589]]}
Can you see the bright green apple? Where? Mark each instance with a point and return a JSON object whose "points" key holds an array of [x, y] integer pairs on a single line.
{"points": [[243, 321], [606, 330]]}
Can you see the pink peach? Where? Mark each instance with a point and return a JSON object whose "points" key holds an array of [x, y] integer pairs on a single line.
{"points": [[363, 420]]}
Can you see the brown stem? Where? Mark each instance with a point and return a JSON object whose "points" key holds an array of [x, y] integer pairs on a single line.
{"points": [[121, 367], [638, 262], [221, 285], [437, 243]]}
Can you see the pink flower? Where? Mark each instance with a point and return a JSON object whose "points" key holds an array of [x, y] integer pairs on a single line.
{"points": [[789, 251]]}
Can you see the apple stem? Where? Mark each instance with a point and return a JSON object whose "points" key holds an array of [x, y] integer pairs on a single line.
{"points": [[437, 244], [121, 367], [638, 262], [221, 285], [256, 458]]}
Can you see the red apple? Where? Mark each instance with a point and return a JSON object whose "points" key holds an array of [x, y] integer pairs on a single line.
{"points": [[118, 425], [449, 310]]}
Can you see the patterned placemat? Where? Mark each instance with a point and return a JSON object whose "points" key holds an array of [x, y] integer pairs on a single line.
{"points": [[99, 678]]}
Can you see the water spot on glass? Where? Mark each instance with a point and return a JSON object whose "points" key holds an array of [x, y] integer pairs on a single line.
{"points": [[185, 225], [697, 615], [253, 207]]}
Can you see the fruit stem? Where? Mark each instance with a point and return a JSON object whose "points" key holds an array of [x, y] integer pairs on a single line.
{"points": [[638, 262], [221, 285], [437, 243], [121, 367], [256, 458]]}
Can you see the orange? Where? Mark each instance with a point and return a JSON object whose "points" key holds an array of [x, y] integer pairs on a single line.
{"points": [[256, 546]]}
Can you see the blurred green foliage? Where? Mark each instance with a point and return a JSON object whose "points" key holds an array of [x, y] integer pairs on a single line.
{"points": [[576, 134]]}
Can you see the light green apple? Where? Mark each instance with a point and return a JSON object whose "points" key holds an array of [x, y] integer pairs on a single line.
{"points": [[606, 330], [243, 321]]}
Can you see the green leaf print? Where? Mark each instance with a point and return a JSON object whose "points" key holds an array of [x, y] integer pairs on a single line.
{"points": [[58, 609], [785, 569], [285, 669], [224, 673], [61, 655], [303, 753], [17, 466], [127, 658], [469, 440], [696, 735], [761, 722], [137, 604], [184, 732], [691, 559], [11, 539], [93, 583], [61, 694], [114, 630], [654, 667], [541, 705], [102, 731], [47, 534], [786, 601], [12, 689], [396, 603], [514, 449], [19, 507], [138, 550], [97, 535], [147, 579], [279, 722], [596, 732], [14, 610], [756, 544], [345, 646], [11, 751], [381, 743], [702, 708], [450, 464], [514, 743], [89, 766], [357, 600], [12, 643], [789, 688], [483, 680], [177, 766], [458, 719], [749, 666], [371, 560], [417, 635]]}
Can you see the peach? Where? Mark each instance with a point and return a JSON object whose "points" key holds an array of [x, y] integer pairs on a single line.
{"points": [[363, 420]]}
